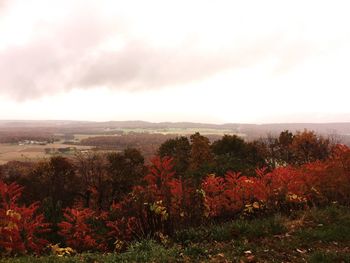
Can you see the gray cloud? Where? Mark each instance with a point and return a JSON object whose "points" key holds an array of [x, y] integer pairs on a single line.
{"points": [[68, 57], [50, 63], [140, 65], [46, 67]]}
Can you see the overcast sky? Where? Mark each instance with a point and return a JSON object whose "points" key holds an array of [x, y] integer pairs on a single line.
{"points": [[203, 61]]}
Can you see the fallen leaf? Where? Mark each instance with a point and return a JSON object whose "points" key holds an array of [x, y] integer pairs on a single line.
{"points": [[302, 251]]}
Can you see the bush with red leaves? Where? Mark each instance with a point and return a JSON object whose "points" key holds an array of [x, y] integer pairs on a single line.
{"points": [[164, 203], [21, 227], [84, 229]]}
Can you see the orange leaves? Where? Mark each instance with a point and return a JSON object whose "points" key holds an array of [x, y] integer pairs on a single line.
{"points": [[308, 147]]}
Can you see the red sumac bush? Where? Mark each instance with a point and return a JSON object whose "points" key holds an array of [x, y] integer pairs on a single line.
{"points": [[21, 227]]}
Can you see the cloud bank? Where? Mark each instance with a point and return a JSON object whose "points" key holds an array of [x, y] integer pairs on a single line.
{"points": [[107, 44]]}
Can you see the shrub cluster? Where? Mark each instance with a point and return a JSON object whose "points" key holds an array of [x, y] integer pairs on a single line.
{"points": [[164, 202]]}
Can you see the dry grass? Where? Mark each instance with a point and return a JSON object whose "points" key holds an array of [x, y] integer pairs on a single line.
{"points": [[10, 152]]}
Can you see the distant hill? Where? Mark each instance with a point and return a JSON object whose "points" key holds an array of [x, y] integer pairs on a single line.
{"points": [[251, 130]]}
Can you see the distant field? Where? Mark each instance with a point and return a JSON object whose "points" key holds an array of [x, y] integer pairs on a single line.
{"points": [[79, 137], [180, 131], [10, 152], [164, 131], [185, 131]]}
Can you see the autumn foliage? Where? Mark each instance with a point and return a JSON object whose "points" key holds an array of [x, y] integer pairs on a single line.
{"points": [[21, 227], [164, 202]]}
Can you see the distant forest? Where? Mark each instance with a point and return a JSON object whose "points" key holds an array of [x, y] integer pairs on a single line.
{"points": [[147, 137]]}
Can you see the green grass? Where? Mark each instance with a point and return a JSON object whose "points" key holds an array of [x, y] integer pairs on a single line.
{"points": [[327, 225], [330, 257], [316, 235], [237, 229], [143, 251]]}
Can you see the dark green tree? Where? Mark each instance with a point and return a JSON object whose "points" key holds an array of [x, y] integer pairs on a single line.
{"points": [[201, 155], [234, 154], [285, 153], [178, 148], [307, 147], [125, 170]]}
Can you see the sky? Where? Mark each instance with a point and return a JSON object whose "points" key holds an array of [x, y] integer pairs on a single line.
{"points": [[209, 61]]}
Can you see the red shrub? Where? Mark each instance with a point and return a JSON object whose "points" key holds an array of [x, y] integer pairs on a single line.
{"points": [[231, 194], [81, 229], [157, 206], [165, 203], [329, 181], [20, 227], [121, 226]]}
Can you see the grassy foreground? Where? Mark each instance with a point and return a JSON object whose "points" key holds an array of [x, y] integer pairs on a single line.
{"points": [[316, 235]]}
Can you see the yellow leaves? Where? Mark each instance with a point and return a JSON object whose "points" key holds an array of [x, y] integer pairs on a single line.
{"points": [[201, 192], [295, 198], [256, 205], [159, 209], [164, 239], [248, 209], [119, 245], [13, 214], [11, 224], [251, 208], [60, 252]]}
